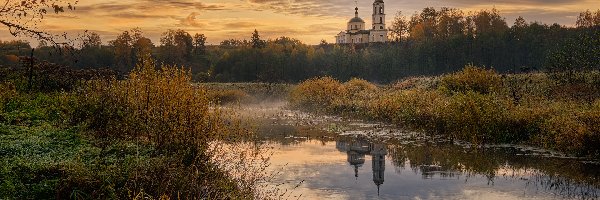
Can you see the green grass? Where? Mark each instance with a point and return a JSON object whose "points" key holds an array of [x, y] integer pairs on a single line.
{"points": [[41, 156]]}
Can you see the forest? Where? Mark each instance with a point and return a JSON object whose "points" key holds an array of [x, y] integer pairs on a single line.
{"points": [[431, 42]]}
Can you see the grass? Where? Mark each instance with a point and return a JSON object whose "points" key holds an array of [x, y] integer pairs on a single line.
{"points": [[147, 136], [551, 110]]}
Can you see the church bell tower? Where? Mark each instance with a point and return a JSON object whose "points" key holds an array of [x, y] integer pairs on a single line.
{"points": [[379, 32]]}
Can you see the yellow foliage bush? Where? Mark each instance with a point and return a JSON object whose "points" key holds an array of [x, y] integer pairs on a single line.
{"points": [[157, 104], [409, 107], [475, 105], [475, 117], [316, 93], [563, 132], [357, 86], [472, 78]]}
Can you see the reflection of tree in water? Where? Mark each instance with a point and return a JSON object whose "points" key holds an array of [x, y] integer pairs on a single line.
{"points": [[565, 177], [357, 149]]}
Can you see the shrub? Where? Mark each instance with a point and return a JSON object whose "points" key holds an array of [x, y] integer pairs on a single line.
{"points": [[409, 107], [591, 142], [158, 104], [576, 86], [472, 78], [475, 117], [357, 86], [564, 132], [316, 93]]}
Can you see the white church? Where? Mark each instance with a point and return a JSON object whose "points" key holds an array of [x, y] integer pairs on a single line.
{"points": [[356, 33]]}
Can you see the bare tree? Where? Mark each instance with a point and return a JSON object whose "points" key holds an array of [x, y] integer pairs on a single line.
{"points": [[22, 17]]}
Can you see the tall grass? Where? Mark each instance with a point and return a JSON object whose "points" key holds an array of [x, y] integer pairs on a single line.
{"points": [[556, 110]]}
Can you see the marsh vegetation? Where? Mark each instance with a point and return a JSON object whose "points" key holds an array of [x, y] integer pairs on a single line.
{"points": [[552, 110]]}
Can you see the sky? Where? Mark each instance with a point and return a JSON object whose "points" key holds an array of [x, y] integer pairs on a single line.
{"points": [[307, 20]]}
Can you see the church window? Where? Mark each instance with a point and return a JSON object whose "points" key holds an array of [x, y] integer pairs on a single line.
{"points": [[380, 10], [381, 27], [381, 20]]}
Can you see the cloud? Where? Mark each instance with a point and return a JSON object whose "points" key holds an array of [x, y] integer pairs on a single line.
{"points": [[303, 7], [241, 24], [182, 4], [190, 20], [513, 2], [307, 20]]}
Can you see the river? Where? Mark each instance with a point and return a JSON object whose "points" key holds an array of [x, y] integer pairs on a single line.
{"points": [[328, 157]]}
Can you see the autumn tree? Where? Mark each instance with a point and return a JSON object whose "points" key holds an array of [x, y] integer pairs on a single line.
{"points": [[92, 40], [129, 46], [176, 46], [257, 43], [588, 19], [423, 26], [488, 21], [399, 28], [450, 22], [199, 43]]}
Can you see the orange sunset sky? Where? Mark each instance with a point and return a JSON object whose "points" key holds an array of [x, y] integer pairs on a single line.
{"points": [[307, 20]]}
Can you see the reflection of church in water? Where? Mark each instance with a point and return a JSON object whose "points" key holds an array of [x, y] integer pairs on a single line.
{"points": [[358, 149]]}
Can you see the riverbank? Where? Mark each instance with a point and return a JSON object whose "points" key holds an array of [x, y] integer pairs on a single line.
{"points": [[63, 135], [551, 110]]}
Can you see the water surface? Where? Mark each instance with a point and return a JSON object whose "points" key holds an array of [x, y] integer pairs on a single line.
{"points": [[325, 157]]}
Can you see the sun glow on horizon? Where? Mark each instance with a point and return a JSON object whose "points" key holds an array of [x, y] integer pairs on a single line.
{"points": [[309, 21]]}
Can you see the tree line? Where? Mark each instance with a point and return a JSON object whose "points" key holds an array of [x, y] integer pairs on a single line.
{"points": [[430, 42]]}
